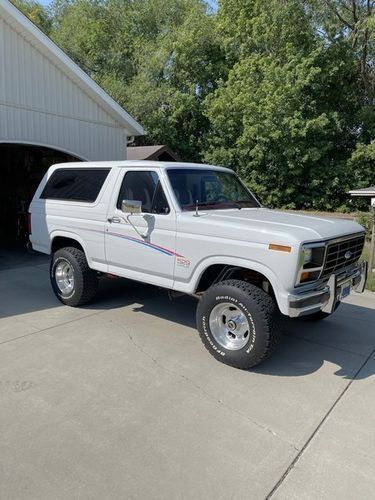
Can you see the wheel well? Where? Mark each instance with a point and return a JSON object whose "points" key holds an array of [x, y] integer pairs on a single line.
{"points": [[220, 272], [61, 242]]}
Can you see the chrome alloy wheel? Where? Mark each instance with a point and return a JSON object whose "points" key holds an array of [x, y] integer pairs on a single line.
{"points": [[64, 276], [229, 326]]}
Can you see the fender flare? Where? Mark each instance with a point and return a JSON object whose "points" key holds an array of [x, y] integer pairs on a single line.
{"points": [[280, 292], [67, 234]]}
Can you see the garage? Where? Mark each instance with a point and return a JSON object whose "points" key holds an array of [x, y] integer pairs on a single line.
{"points": [[50, 112], [22, 167]]}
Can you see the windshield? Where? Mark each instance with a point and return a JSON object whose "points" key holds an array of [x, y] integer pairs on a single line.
{"points": [[209, 189]]}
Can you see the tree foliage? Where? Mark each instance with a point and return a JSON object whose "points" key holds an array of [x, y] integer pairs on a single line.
{"points": [[36, 13], [282, 91], [157, 58], [283, 117]]}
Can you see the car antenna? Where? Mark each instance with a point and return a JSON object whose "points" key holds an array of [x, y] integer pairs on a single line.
{"points": [[196, 209]]}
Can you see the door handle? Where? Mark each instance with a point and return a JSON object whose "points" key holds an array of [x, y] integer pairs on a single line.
{"points": [[115, 220]]}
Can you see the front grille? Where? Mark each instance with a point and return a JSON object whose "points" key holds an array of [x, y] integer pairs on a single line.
{"points": [[335, 257]]}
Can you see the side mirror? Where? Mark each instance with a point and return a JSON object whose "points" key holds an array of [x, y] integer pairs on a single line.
{"points": [[131, 206]]}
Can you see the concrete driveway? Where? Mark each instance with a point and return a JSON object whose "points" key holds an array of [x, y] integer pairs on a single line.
{"points": [[120, 400]]}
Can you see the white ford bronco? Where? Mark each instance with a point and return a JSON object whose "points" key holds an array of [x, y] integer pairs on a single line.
{"points": [[195, 229]]}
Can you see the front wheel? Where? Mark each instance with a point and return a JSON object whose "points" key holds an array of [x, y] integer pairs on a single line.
{"points": [[73, 282], [237, 323]]}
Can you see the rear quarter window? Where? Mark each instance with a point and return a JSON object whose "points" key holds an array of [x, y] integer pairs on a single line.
{"points": [[75, 184]]}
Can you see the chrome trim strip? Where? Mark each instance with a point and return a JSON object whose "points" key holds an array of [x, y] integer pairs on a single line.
{"points": [[348, 237]]}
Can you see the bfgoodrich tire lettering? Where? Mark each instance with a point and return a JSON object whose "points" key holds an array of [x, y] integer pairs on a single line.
{"points": [[253, 307], [84, 280]]}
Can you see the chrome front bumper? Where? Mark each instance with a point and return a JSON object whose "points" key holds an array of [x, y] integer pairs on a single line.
{"points": [[326, 298]]}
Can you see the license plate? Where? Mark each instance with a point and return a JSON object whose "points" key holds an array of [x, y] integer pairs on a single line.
{"points": [[345, 291]]}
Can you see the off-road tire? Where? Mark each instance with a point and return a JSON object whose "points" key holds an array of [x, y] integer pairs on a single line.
{"points": [[85, 279], [261, 313]]}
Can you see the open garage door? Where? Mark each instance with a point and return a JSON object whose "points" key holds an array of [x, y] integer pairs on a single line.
{"points": [[21, 169]]}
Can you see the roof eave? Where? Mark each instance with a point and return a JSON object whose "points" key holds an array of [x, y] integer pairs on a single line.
{"points": [[362, 193]]}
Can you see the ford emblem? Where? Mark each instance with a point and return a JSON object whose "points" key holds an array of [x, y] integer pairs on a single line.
{"points": [[348, 254]]}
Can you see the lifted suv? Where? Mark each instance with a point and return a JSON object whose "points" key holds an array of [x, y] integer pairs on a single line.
{"points": [[195, 229]]}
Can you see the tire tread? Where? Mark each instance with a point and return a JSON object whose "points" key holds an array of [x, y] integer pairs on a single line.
{"points": [[270, 314], [87, 281]]}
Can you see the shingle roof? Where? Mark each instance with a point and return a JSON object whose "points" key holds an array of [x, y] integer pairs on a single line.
{"points": [[149, 152]]}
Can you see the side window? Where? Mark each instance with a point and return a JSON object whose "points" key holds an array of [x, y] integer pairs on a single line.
{"points": [[144, 187], [75, 184]]}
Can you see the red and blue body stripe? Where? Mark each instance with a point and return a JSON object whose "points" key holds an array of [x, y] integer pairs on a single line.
{"points": [[158, 248], [147, 244]]}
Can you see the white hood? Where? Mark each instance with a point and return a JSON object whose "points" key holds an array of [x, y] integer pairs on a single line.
{"points": [[301, 228]]}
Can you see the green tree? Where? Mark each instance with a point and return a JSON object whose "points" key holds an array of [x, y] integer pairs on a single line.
{"points": [[283, 117], [36, 13], [362, 163], [158, 58], [351, 22], [282, 91]]}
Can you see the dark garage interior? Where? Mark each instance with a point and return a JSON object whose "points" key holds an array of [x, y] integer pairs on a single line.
{"points": [[22, 167]]}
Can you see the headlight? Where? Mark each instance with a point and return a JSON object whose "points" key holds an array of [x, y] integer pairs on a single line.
{"points": [[307, 255], [311, 262]]}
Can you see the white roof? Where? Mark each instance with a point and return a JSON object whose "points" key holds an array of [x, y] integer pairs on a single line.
{"points": [[370, 191], [52, 51], [138, 164]]}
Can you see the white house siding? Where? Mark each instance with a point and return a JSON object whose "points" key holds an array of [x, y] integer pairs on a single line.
{"points": [[41, 104]]}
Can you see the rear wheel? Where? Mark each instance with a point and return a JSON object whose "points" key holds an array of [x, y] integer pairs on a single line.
{"points": [[73, 282], [237, 323]]}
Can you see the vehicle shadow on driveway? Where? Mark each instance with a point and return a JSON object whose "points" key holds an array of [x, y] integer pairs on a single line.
{"points": [[345, 339]]}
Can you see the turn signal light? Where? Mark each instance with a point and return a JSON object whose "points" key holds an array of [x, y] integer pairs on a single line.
{"points": [[304, 276], [280, 248]]}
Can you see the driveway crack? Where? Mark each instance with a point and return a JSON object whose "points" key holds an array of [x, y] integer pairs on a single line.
{"points": [[212, 398], [316, 430]]}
